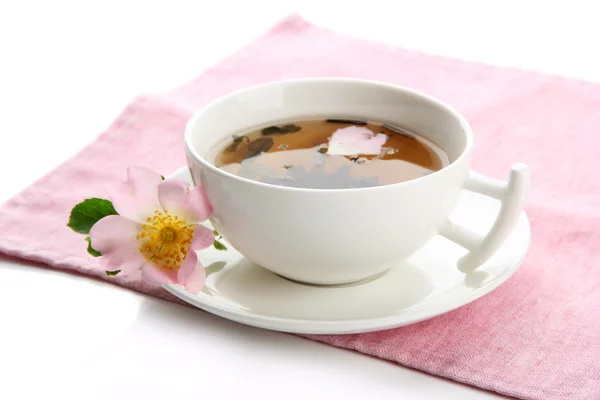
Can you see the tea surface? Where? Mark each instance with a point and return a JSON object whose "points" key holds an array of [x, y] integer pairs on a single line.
{"points": [[326, 154]]}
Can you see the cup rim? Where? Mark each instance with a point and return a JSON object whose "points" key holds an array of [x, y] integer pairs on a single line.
{"points": [[189, 130]]}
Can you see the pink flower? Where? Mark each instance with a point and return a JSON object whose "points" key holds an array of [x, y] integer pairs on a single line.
{"points": [[355, 140], [156, 230]]}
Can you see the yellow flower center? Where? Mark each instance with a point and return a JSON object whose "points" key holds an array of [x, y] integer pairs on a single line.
{"points": [[165, 240]]}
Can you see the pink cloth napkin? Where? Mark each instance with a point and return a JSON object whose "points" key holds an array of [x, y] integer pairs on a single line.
{"points": [[535, 337]]}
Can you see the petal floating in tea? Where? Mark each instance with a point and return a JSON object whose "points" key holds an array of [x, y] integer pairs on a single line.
{"points": [[355, 140]]}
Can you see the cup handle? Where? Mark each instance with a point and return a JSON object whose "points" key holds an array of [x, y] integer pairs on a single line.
{"points": [[511, 195]]}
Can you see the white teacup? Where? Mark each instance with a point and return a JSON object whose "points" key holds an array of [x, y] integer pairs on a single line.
{"points": [[345, 235]]}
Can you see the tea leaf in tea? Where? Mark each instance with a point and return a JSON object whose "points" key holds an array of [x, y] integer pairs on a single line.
{"points": [[274, 130], [346, 121], [290, 128], [271, 130], [236, 142], [258, 146]]}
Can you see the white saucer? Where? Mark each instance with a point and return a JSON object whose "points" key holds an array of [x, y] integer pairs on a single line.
{"points": [[424, 286]]}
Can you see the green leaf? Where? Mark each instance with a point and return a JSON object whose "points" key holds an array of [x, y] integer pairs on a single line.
{"points": [[162, 177], [219, 246], [90, 249], [113, 273], [85, 214], [215, 232]]}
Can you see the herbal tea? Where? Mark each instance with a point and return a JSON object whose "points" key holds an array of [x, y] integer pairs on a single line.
{"points": [[330, 154]]}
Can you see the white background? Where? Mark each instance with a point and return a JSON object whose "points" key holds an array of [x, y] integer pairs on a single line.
{"points": [[68, 68]]}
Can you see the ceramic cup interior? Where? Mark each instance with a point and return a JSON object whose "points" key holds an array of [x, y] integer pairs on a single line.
{"points": [[278, 102], [326, 236]]}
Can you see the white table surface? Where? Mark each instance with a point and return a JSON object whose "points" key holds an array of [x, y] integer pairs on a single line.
{"points": [[68, 68]]}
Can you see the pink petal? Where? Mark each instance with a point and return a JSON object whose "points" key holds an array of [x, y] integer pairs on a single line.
{"points": [[203, 237], [187, 268], [115, 237], [114, 232], [137, 197], [122, 259], [198, 203], [157, 276], [172, 195], [195, 282], [190, 205], [355, 140], [191, 273]]}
